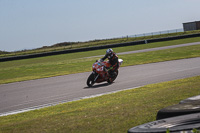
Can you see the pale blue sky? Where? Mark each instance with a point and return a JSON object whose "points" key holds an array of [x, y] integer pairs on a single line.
{"points": [[27, 24]]}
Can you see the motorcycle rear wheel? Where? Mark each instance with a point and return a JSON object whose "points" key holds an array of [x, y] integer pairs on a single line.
{"points": [[110, 80], [90, 80]]}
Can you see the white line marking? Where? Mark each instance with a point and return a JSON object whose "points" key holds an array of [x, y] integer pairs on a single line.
{"points": [[60, 102]]}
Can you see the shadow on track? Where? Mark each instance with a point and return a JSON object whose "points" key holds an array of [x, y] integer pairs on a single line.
{"points": [[98, 86]]}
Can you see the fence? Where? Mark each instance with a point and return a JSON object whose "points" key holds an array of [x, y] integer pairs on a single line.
{"points": [[154, 33]]}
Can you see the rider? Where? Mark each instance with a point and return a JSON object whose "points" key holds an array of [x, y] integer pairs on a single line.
{"points": [[113, 59]]}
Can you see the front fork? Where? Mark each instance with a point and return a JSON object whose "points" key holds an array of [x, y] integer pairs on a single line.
{"points": [[96, 76]]}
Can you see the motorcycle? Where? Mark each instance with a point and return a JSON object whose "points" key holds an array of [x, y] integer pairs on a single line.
{"points": [[100, 73]]}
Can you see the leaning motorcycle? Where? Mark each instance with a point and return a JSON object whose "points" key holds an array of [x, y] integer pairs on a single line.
{"points": [[100, 73]]}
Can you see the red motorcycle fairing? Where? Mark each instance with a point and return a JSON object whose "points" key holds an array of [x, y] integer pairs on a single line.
{"points": [[99, 69]]}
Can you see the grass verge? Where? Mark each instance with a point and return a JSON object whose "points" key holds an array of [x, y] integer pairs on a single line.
{"points": [[43, 67], [115, 112]]}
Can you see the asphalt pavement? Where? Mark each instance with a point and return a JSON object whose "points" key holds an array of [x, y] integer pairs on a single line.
{"points": [[27, 95]]}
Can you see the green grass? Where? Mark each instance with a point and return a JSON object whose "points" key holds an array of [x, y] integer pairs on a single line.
{"points": [[74, 45], [109, 113], [161, 55], [27, 69], [115, 112]]}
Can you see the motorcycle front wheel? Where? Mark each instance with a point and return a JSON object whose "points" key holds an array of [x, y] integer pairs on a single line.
{"points": [[90, 80]]}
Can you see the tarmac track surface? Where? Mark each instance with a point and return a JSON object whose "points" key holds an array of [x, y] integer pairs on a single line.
{"points": [[28, 95]]}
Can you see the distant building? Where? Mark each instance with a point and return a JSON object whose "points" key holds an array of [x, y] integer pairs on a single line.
{"points": [[191, 26]]}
